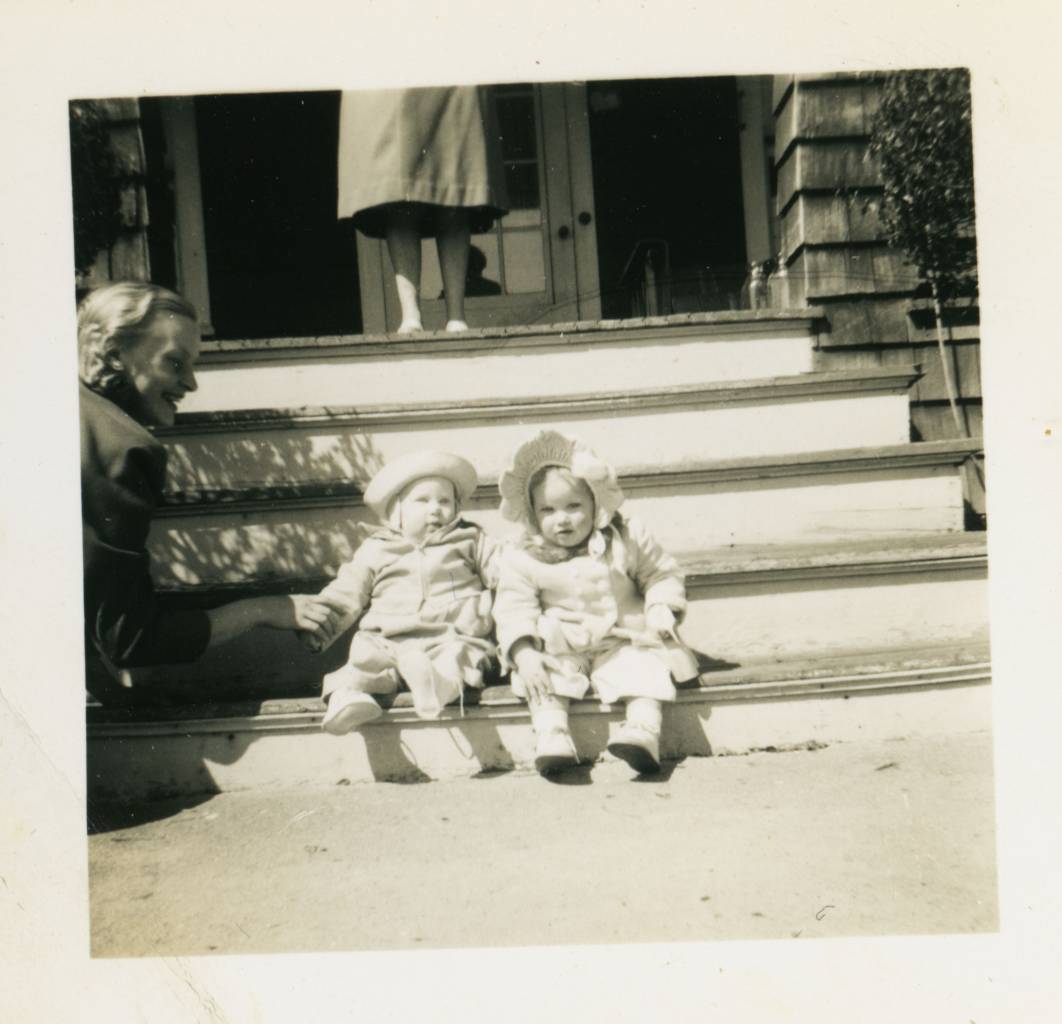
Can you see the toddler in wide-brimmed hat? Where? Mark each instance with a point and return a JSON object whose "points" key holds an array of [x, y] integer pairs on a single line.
{"points": [[587, 602], [418, 588]]}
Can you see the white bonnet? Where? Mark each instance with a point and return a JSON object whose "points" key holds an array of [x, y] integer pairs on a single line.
{"points": [[550, 448]]}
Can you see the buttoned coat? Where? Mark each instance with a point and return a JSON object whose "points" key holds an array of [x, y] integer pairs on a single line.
{"points": [[588, 601], [399, 588]]}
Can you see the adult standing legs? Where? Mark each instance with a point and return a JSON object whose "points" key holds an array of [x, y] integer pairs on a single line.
{"points": [[403, 245], [453, 241]]}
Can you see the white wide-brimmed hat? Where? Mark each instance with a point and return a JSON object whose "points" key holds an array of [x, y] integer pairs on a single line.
{"points": [[549, 448], [401, 472]]}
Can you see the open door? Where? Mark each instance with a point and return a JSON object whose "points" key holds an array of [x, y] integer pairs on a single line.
{"points": [[599, 177], [259, 251], [538, 264]]}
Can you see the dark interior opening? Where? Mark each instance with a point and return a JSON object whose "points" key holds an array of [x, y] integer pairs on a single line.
{"points": [[667, 166], [279, 263]]}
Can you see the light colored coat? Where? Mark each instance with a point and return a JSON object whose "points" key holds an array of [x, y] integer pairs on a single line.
{"points": [[399, 588], [589, 602]]}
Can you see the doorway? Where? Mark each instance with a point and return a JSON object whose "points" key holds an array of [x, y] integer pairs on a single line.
{"points": [[278, 263], [668, 189], [538, 263], [611, 182]]}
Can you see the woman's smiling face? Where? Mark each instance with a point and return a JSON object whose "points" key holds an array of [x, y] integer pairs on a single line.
{"points": [[564, 509], [160, 364]]}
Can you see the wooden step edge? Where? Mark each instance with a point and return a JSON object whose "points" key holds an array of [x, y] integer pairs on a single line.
{"points": [[900, 553], [346, 492], [746, 323], [870, 380], [305, 715], [740, 565], [707, 577]]}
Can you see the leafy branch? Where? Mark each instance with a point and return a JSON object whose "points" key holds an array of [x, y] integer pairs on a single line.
{"points": [[921, 135]]}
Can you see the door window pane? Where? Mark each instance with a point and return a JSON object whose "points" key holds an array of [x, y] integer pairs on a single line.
{"points": [[510, 258], [525, 270], [484, 276]]}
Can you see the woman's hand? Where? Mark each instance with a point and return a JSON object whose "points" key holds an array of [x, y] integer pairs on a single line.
{"points": [[531, 665], [660, 619], [305, 612], [309, 613]]}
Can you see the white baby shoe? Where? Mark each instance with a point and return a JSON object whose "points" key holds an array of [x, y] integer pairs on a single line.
{"points": [[638, 746], [554, 750], [347, 710]]}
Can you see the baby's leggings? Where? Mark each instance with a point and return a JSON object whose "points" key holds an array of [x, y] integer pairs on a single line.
{"points": [[373, 664]]}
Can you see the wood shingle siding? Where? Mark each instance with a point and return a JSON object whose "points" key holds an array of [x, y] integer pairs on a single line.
{"points": [[835, 256]]}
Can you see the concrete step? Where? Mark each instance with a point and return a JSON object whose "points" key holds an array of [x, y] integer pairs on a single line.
{"points": [[516, 362], [632, 428], [746, 603], [900, 692], [223, 536]]}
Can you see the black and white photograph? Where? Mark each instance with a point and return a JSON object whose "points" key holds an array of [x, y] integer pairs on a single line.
{"points": [[533, 514]]}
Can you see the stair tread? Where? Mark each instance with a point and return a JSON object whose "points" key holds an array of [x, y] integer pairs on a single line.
{"points": [[571, 331], [819, 382], [875, 666]]}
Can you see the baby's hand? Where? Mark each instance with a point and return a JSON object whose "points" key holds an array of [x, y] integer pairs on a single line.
{"points": [[660, 619], [532, 668]]}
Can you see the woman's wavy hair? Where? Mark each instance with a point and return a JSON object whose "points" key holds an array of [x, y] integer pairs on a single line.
{"points": [[111, 318]]}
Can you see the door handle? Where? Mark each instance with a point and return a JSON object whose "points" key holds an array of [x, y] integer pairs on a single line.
{"points": [[585, 218], [563, 232]]}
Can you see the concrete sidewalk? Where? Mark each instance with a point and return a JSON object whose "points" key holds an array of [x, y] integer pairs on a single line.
{"points": [[875, 838]]}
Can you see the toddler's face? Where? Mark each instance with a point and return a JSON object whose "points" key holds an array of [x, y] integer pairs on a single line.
{"points": [[426, 505], [564, 509]]}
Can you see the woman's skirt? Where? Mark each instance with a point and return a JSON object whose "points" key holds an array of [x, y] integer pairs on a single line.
{"points": [[435, 147]]}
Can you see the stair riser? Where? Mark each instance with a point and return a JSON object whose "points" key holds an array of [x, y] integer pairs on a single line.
{"points": [[504, 370], [187, 762], [628, 438], [806, 618], [728, 620], [214, 546]]}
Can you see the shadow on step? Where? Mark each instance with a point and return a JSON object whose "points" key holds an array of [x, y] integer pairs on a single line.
{"points": [[390, 759], [118, 766], [577, 776], [706, 663], [667, 769], [109, 816]]}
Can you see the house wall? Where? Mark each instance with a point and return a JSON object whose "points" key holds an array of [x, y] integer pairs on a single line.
{"points": [[834, 252], [127, 258]]}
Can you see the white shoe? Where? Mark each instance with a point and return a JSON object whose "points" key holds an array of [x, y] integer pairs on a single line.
{"points": [[638, 746], [555, 750], [347, 710]]}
